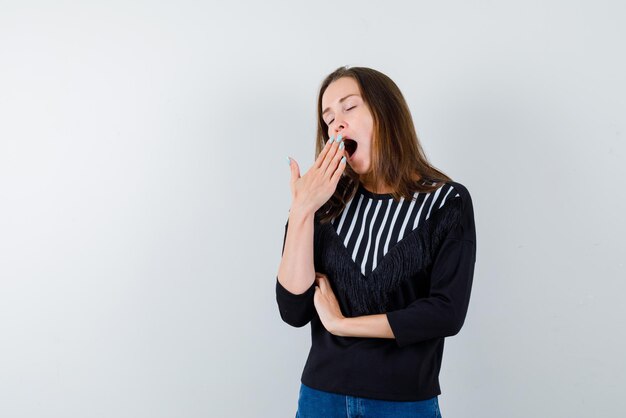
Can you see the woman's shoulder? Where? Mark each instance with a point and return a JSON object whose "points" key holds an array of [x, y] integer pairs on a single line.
{"points": [[465, 209], [449, 188], [453, 200], [457, 185], [459, 190]]}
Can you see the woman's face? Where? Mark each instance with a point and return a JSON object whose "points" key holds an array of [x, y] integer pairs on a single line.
{"points": [[345, 113]]}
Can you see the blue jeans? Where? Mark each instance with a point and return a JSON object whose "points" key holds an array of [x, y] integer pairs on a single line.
{"points": [[314, 403]]}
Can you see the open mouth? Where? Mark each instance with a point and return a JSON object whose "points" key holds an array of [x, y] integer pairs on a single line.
{"points": [[350, 145]]}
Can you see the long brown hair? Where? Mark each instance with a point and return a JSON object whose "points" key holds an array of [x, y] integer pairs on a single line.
{"points": [[397, 155]]}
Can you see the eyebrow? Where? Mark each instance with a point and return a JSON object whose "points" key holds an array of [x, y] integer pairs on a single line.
{"points": [[340, 100]]}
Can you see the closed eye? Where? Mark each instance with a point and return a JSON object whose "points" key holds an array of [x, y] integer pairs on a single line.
{"points": [[331, 121]]}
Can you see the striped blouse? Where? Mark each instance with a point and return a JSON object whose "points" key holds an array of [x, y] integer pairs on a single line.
{"points": [[372, 223]]}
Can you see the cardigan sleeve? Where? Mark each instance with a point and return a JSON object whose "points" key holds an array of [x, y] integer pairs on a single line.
{"points": [[295, 309], [443, 312]]}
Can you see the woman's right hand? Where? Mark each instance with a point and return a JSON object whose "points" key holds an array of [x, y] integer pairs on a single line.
{"points": [[317, 185]]}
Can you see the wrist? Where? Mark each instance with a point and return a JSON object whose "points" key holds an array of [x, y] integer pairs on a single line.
{"points": [[301, 211], [340, 327]]}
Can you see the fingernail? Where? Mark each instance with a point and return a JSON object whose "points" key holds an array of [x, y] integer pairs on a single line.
{"points": [[341, 146], [332, 138], [288, 160], [338, 137], [343, 160]]}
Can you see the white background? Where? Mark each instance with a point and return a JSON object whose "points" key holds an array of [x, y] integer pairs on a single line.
{"points": [[144, 191]]}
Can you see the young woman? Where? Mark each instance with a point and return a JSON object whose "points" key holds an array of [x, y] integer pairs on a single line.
{"points": [[378, 255]]}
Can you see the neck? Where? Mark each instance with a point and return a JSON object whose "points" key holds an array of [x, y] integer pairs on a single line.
{"points": [[380, 188]]}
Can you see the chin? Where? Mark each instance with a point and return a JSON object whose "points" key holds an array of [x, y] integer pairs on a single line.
{"points": [[358, 168]]}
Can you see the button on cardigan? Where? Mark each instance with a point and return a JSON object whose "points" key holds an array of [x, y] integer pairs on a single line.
{"points": [[412, 260]]}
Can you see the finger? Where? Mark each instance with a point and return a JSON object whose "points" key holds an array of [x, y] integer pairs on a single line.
{"points": [[339, 171], [335, 161], [318, 282], [324, 152], [337, 147], [323, 284], [295, 170]]}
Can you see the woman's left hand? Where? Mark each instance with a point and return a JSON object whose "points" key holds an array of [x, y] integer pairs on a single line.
{"points": [[326, 304]]}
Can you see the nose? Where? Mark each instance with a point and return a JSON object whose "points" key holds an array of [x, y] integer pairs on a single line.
{"points": [[340, 127]]}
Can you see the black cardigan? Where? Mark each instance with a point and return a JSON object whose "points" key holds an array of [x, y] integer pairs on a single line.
{"points": [[423, 285]]}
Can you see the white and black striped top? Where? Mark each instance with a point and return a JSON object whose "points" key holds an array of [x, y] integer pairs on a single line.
{"points": [[371, 223]]}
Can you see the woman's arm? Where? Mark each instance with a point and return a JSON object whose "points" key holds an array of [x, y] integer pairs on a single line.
{"points": [[327, 306], [374, 326], [296, 272]]}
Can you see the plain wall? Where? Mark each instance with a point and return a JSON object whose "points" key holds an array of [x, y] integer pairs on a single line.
{"points": [[144, 191]]}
